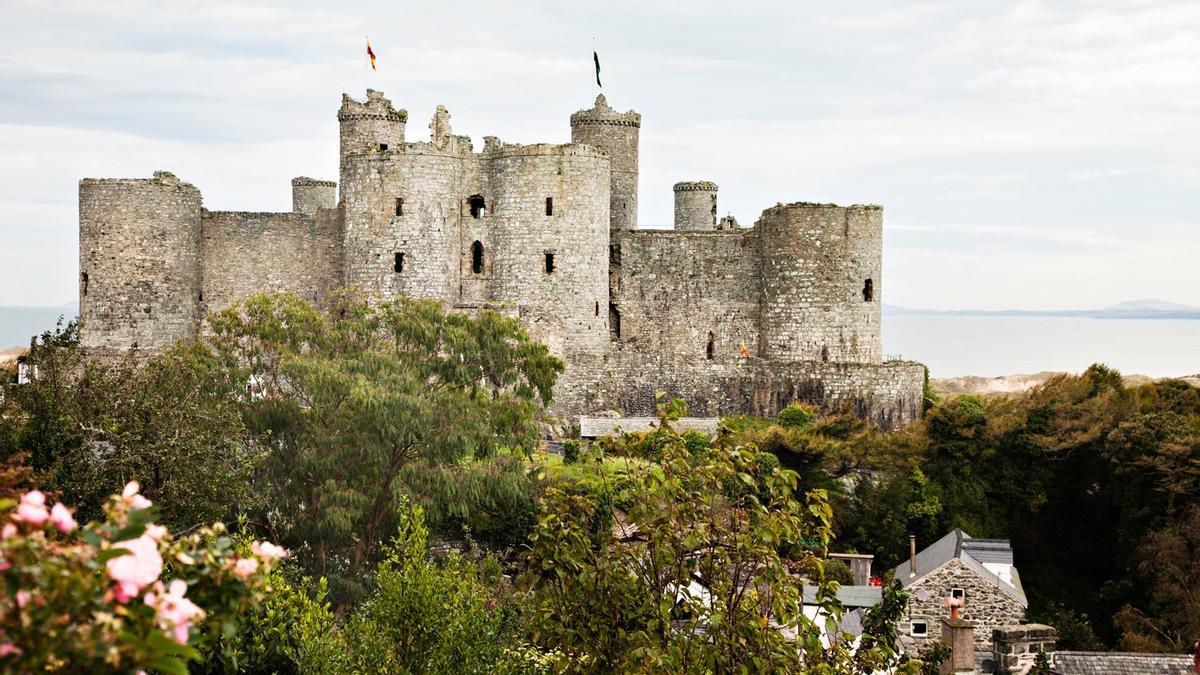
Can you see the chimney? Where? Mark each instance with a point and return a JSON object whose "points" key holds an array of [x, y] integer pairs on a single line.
{"points": [[960, 636], [912, 556], [1015, 648]]}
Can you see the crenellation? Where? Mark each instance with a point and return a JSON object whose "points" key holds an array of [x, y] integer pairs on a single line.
{"points": [[732, 319]]}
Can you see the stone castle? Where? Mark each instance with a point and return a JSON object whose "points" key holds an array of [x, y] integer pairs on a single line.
{"points": [[546, 232]]}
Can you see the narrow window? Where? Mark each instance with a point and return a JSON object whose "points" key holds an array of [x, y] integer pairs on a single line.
{"points": [[201, 296], [84, 279], [478, 205], [399, 206], [825, 353], [383, 147], [868, 290], [398, 266], [597, 308], [919, 629], [614, 322], [549, 206], [549, 263], [711, 348], [477, 258]]}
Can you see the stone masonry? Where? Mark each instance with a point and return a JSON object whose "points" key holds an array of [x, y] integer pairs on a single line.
{"points": [[547, 232], [985, 604]]}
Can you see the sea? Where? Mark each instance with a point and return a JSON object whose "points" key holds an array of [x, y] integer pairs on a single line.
{"points": [[952, 346], [993, 346]]}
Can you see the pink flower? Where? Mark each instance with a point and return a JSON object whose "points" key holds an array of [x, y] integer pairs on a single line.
{"points": [[8, 649], [22, 598], [174, 612], [137, 569], [8, 530], [32, 508], [244, 567], [267, 550], [131, 496], [62, 519], [156, 532]]}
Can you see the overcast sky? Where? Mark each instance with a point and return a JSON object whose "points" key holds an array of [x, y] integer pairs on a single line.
{"points": [[1029, 155]]}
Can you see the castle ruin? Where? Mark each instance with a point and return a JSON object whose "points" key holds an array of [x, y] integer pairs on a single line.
{"points": [[546, 232]]}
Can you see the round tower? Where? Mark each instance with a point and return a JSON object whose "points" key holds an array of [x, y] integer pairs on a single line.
{"points": [[617, 134], [820, 289], [551, 234], [309, 194], [696, 205], [369, 126], [140, 262]]}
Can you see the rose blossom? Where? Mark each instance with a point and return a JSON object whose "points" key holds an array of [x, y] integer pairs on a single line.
{"points": [[130, 493], [32, 508], [22, 598], [156, 532], [137, 569], [62, 519], [8, 648], [244, 567], [8, 530], [267, 550], [175, 612]]}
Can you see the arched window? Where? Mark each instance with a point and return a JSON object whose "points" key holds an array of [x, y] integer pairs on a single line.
{"points": [[478, 206], [711, 348], [477, 258]]}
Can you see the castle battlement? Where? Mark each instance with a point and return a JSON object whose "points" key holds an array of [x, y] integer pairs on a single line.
{"points": [[732, 319]]}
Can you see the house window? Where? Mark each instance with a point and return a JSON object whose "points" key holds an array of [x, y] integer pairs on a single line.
{"points": [[83, 278], [398, 265], [868, 290], [477, 205], [549, 263], [919, 629], [957, 594], [399, 206], [711, 348], [477, 258], [549, 206], [383, 147]]}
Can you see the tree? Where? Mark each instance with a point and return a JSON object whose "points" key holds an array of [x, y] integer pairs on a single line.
{"points": [[704, 587], [346, 399]]}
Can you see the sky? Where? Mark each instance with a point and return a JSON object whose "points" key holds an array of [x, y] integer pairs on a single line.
{"points": [[1027, 155]]}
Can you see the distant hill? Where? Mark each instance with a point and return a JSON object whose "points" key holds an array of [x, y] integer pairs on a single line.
{"points": [[1013, 384], [1133, 309]]}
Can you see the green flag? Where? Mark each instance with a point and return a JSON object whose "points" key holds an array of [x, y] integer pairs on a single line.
{"points": [[596, 58]]}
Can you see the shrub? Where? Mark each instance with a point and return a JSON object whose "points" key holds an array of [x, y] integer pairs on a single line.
{"points": [[570, 451], [796, 416], [96, 599], [697, 442]]}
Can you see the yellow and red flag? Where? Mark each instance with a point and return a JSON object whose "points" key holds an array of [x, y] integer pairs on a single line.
{"points": [[742, 351], [371, 55]]}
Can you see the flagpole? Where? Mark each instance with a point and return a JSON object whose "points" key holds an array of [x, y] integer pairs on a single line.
{"points": [[366, 58], [594, 56]]}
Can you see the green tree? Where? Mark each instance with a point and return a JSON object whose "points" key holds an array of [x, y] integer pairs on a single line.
{"points": [[348, 398]]}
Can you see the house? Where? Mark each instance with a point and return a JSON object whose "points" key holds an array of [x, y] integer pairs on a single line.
{"points": [[979, 572]]}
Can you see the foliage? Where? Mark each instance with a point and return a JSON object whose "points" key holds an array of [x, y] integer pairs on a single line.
{"points": [[570, 451], [423, 617], [697, 442], [610, 605], [350, 398], [93, 598], [171, 425], [796, 416]]}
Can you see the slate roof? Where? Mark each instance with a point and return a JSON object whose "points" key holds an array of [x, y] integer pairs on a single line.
{"points": [[1120, 663], [973, 553], [850, 596]]}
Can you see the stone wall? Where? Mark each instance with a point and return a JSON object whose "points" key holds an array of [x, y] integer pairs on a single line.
{"points": [[820, 282], [140, 262], [680, 291], [696, 205], [247, 252], [888, 394], [985, 604]]}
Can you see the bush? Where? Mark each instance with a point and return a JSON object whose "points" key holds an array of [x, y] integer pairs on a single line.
{"points": [[697, 442], [93, 599], [797, 416], [570, 451]]}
